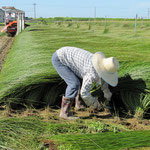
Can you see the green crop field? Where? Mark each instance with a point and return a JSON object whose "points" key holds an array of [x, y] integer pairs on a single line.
{"points": [[29, 79], [28, 67]]}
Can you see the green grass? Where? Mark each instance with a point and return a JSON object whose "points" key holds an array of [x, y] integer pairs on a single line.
{"points": [[2, 34], [104, 141], [30, 133], [28, 74], [20, 134], [28, 77]]}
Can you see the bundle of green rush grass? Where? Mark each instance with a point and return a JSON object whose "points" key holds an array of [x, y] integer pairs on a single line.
{"points": [[27, 76], [133, 94], [130, 95], [21, 133]]}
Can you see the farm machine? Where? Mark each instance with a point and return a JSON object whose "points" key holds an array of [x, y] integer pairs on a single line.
{"points": [[14, 20], [10, 28]]}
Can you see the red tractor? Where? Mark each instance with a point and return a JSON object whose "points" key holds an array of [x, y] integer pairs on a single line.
{"points": [[11, 28], [13, 17]]}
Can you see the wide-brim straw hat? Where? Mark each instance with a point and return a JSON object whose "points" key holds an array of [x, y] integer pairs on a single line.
{"points": [[107, 68]]}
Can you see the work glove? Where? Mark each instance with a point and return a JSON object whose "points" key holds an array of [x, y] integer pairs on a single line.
{"points": [[92, 102], [106, 91], [96, 105], [107, 95]]}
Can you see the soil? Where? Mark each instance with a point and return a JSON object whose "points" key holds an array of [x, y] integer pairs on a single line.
{"points": [[130, 123], [5, 45], [50, 144], [47, 114]]}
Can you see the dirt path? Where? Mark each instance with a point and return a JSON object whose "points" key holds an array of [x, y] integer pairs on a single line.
{"points": [[5, 45]]}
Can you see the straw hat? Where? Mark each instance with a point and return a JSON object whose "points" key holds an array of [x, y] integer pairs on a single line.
{"points": [[106, 68]]}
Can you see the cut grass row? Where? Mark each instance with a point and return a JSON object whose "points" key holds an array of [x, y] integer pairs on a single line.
{"points": [[33, 133], [105, 141]]}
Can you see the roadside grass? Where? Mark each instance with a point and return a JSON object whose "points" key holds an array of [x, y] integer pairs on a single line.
{"points": [[2, 34]]}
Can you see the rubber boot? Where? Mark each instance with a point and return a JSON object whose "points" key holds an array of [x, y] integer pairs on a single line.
{"points": [[65, 109], [79, 103]]}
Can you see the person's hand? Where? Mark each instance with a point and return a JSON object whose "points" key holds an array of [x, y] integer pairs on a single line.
{"points": [[96, 105], [108, 95], [106, 91]]}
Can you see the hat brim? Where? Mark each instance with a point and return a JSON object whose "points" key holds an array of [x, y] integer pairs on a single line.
{"points": [[110, 78]]}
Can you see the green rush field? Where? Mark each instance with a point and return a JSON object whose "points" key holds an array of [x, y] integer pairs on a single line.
{"points": [[30, 86]]}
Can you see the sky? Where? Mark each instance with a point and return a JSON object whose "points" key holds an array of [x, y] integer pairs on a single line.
{"points": [[82, 8]]}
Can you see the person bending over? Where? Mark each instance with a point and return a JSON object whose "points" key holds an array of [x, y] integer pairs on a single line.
{"points": [[73, 64]]}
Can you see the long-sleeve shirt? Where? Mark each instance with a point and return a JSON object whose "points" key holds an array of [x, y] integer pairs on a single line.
{"points": [[80, 62]]}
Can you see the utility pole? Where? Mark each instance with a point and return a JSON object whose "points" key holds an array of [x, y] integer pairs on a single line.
{"points": [[95, 13], [135, 23], [34, 10], [142, 21], [105, 22], [148, 12]]}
